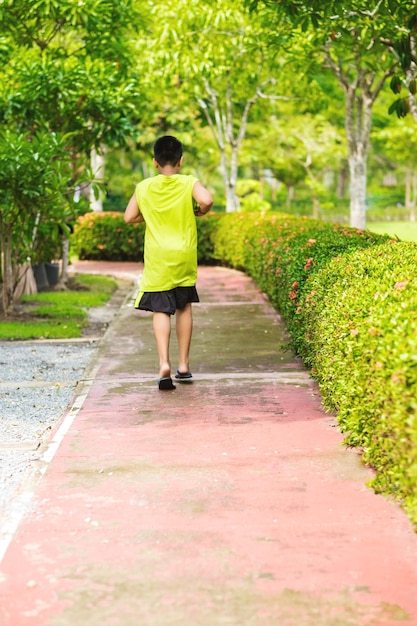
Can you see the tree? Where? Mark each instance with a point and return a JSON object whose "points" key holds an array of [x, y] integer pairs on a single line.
{"points": [[214, 54], [299, 145], [34, 177], [67, 70], [350, 41]]}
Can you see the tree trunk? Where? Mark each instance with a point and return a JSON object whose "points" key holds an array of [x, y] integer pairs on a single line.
{"points": [[7, 267], [290, 195], [357, 166], [316, 207], [232, 199], [274, 188], [358, 121], [411, 75], [221, 123], [361, 93], [97, 168], [407, 201], [342, 178], [25, 282], [65, 261], [413, 198]]}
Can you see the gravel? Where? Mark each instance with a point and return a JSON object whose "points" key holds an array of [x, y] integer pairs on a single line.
{"points": [[37, 384], [38, 381]]}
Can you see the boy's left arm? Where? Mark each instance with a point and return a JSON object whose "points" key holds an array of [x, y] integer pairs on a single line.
{"points": [[132, 213]]}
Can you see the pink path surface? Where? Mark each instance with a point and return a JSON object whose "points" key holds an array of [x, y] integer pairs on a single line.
{"points": [[231, 501]]}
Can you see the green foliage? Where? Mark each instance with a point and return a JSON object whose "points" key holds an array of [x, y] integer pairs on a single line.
{"points": [[106, 237], [33, 180], [231, 236], [206, 228], [67, 70], [349, 298], [250, 198]]}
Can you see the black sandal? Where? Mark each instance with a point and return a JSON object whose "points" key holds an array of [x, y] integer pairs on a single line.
{"points": [[166, 384]]}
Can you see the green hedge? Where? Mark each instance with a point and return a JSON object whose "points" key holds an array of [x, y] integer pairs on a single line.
{"points": [[105, 236], [349, 299]]}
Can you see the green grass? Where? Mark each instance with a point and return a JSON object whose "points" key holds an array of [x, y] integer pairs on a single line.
{"points": [[406, 231], [59, 314], [40, 330]]}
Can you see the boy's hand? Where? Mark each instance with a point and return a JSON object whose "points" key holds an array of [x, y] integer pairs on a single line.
{"points": [[197, 211]]}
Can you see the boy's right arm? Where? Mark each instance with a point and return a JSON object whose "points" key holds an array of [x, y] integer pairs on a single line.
{"points": [[132, 213], [203, 198]]}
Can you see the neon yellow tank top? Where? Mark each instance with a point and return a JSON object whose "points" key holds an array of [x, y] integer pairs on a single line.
{"points": [[170, 253]]}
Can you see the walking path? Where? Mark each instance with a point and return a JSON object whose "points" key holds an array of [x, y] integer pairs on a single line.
{"points": [[230, 501]]}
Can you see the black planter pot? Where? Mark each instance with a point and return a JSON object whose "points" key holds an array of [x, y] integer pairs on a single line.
{"points": [[52, 273], [39, 272]]}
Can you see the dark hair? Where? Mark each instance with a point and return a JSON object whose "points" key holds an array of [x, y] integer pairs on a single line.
{"points": [[167, 150]]}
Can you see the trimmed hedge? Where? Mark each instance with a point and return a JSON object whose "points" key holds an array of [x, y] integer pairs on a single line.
{"points": [[349, 299], [106, 237]]}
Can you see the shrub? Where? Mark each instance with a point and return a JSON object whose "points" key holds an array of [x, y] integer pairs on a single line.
{"points": [[207, 227], [106, 237], [280, 252], [231, 237]]}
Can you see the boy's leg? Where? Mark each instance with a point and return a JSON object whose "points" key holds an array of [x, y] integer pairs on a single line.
{"points": [[184, 329], [162, 332]]}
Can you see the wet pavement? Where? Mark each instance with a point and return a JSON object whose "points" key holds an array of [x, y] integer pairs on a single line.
{"points": [[229, 501]]}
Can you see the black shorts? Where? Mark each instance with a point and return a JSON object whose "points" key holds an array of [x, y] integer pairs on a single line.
{"points": [[168, 301]]}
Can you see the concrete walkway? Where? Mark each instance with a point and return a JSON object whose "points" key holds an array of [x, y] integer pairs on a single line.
{"points": [[227, 502]]}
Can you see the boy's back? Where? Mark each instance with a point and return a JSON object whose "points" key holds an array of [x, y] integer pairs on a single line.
{"points": [[166, 204]]}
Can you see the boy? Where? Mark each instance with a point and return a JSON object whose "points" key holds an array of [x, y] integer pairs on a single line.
{"points": [[165, 203]]}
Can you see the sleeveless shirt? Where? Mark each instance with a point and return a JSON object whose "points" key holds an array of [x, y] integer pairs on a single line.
{"points": [[170, 250]]}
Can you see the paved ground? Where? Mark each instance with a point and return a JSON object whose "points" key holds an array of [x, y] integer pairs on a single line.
{"points": [[230, 501]]}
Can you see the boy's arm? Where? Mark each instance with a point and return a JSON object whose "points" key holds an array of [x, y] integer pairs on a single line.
{"points": [[132, 213], [203, 198]]}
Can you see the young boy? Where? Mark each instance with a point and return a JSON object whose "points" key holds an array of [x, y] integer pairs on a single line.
{"points": [[165, 203]]}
